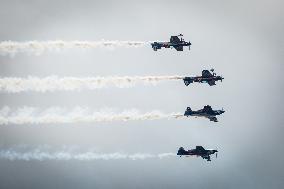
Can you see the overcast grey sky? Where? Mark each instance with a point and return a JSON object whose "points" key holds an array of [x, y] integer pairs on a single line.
{"points": [[242, 40]]}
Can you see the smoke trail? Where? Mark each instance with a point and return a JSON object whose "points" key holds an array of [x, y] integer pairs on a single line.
{"points": [[42, 153], [38, 47], [30, 115], [53, 83], [87, 156]]}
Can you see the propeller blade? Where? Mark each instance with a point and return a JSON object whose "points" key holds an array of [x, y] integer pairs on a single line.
{"points": [[216, 155]]}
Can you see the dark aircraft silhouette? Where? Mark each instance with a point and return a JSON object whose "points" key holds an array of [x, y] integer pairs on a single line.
{"points": [[175, 42], [206, 112], [198, 151], [207, 77]]}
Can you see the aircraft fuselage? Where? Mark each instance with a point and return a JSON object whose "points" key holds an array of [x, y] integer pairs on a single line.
{"points": [[207, 113], [203, 114], [199, 151], [159, 45], [201, 79]]}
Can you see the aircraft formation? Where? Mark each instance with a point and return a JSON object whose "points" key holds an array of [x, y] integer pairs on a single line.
{"points": [[176, 42], [209, 77]]}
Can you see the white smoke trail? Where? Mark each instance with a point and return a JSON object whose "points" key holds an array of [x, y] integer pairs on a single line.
{"points": [[53, 83], [31, 115], [87, 156], [45, 153], [38, 47]]}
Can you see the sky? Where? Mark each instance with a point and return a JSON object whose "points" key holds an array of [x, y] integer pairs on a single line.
{"points": [[243, 42]]}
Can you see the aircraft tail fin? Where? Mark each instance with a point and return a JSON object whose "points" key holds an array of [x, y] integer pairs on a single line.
{"points": [[180, 151], [188, 109]]}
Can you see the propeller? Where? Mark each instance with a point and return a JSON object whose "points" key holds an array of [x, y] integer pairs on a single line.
{"points": [[217, 151]]}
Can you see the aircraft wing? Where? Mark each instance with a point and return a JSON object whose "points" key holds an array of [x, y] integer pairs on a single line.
{"points": [[211, 82], [213, 118], [207, 157], [179, 48], [174, 39], [200, 148], [206, 73]]}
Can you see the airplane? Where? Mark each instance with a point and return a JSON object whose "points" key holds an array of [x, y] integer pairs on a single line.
{"points": [[175, 42], [207, 77], [206, 112], [198, 151]]}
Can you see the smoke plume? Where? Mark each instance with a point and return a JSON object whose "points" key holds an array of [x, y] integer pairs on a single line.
{"points": [[38, 47], [53, 83], [42, 153], [87, 156], [31, 115]]}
